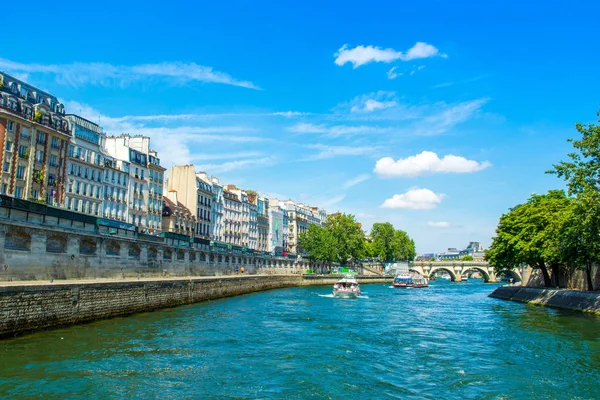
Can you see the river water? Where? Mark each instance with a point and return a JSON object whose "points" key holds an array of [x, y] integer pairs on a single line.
{"points": [[449, 341]]}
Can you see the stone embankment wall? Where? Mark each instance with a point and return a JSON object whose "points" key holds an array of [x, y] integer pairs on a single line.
{"points": [[36, 306], [568, 299]]}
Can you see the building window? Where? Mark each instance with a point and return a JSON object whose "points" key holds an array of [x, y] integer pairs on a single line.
{"points": [[8, 145], [55, 143], [53, 161], [39, 156], [18, 192], [23, 151], [34, 194], [41, 138], [71, 150], [4, 188], [20, 172], [10, 126], [6, 167]]}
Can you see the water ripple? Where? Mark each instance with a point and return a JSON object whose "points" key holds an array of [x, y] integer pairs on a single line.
{"points": [[447, 341]]}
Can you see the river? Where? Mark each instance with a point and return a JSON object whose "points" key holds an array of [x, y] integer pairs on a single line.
{"points": [[449, 341]]}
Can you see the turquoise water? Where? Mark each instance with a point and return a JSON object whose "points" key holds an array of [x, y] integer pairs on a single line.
{"points": [[449, 341]]}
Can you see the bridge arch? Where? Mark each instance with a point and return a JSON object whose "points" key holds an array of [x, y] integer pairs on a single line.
{"points": [[514, 274], [446, 269], [485, 274]]}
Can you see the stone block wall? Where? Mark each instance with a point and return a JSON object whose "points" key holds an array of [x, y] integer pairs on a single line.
{"points": [[25, 308]]}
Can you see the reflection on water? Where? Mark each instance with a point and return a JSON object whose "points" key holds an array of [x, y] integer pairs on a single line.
{"points": [[447, 341]]}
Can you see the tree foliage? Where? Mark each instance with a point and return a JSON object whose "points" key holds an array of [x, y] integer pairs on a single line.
{"points": [[348, 237], [342, 240], [319, 243], [527, 235], [467, 258], [553, 232], [389, 244]]}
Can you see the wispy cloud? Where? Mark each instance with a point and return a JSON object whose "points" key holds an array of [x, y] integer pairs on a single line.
{"points": [[224, 156], [333, 131], [449, 116], [326, 151], [361, 55], [174, 143], [190, 117], [372, 102], [103, 74], [441, 85], [356, 180], [441, 224], [392, 74], [238, 164], [426, 162]]}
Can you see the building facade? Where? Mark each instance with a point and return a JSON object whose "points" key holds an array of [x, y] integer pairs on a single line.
{"points": [[34, 134], [85, 167], [136, 151], [177, 218], [115, 204], [262, 223], [156, 175], [232, 218], [217, 230]]}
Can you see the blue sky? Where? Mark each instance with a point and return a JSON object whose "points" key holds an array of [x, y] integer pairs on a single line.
{"points": [[436, 116]]}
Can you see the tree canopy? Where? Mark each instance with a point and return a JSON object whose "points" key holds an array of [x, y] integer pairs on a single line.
{"points": [[553, 232], [342, 240]]}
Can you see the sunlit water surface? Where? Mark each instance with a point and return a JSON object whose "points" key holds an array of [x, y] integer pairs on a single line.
{"points": [[449, 341]]}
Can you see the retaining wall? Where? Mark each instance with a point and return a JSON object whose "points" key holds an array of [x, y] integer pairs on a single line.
{"points": [[36, 306], [568, 299]]}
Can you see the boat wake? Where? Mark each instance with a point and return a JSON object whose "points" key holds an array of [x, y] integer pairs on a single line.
{"points": [[330, 296]]}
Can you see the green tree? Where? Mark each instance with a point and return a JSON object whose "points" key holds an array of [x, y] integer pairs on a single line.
{"points": [[467, 258], [390, 244], [403, 246], [348, 237], [382, 236], [580, 237], [319, 244], [582, 171], [527, 235]]}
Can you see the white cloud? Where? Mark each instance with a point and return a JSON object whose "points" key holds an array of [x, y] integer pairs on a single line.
{"points": [[333, 131], [335, 151], [414, 199], [391, 74], [356, 180], [426, 162], [235, 165], [188, 117], [225, 156], [441, 224], [103, 74], [449, 116], [371, 102], [173, 144], [361, 55]]}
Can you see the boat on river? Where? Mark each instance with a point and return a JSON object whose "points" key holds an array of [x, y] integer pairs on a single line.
{"points": [[420, 282], [403, 281], [346, 288]]}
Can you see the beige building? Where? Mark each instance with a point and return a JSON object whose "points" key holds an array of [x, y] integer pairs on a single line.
{"points": [[177, 218], [34, 134], [194, 191]]}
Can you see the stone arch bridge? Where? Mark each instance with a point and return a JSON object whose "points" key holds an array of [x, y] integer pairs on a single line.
{"points": [[457, 269]]}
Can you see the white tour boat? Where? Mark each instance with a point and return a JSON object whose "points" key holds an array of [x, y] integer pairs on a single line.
{"points": [[346, 288]]}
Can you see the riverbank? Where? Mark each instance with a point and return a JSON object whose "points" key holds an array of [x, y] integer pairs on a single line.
{"points": [[557, 298], [35, 305]]}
